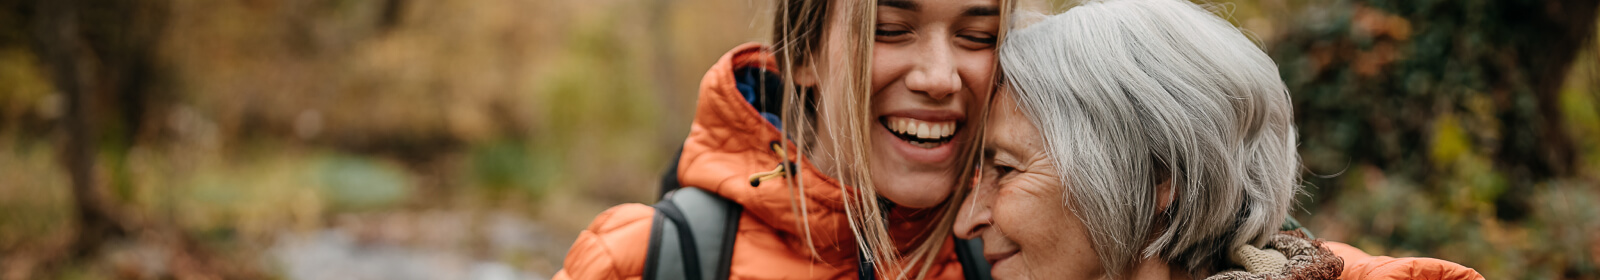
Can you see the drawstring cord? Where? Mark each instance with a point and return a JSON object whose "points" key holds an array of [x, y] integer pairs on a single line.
{"points": [[756, 179]]}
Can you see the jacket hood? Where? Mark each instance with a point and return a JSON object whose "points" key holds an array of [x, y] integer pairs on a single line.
{"points": [[730, 141]]}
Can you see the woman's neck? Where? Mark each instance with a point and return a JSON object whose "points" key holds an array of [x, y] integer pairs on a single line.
{"points": [[908, 227], [1154, 268]]}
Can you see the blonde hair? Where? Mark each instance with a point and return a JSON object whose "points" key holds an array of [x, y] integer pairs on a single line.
{"points": [[797, 37], [1130, 93]]}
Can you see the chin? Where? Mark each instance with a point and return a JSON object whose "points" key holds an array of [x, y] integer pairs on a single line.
{"points": [[1004, 275], [916, 190]]}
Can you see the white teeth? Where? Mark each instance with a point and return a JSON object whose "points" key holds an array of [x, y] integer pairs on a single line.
{"points": [[921, 129]]}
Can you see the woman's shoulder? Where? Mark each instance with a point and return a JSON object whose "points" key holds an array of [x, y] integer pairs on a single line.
{"points": [[612, 247], [1359, 265]]}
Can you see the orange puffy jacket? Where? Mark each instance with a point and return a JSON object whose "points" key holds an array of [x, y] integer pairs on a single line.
{"points": [[728, 141], [1360, 266]]}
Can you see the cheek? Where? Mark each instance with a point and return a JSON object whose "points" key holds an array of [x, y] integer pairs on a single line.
{"points": [[1030, 218], [1054, 243], [889, 64], [977, 72]]}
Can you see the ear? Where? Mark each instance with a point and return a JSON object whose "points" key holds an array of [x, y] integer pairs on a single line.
{"points": [[805, 75], [1164, 195]]}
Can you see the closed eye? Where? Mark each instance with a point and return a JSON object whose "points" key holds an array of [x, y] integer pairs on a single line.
{"points": [[1001, 171], [981, 39], [977, 40], [891, 33]]}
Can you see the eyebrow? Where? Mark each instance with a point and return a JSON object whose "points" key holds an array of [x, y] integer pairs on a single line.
{"points": [[982, 11], [977, 11], [901, 4]]}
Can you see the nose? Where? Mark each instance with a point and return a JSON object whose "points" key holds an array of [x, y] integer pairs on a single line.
{"points": [[935, 75], [974, 216]]}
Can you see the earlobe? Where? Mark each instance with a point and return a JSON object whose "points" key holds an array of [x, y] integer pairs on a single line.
{"points": [[805, 76]]}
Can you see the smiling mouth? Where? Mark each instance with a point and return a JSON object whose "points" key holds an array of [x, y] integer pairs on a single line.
{"points": [[920, 133], [997, 258]]}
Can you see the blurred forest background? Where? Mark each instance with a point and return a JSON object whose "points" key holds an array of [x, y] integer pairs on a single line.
{"points": [[401, 139]]}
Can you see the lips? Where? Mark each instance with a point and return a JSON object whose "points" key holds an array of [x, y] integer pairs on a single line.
{"points": [[920, 139], [996, 258]]}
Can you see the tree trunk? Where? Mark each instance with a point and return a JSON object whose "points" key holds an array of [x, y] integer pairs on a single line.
{"points": [[58, 39]]}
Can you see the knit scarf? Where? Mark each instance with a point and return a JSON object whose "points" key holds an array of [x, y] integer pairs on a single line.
{"points": [[1289, 255]]}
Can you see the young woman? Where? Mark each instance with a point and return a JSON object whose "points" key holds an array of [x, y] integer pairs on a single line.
{"points": [[846, 135], [1149, 139]]}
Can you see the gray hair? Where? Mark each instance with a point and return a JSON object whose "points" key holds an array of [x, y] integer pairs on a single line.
{"points": [[1131, 93]]}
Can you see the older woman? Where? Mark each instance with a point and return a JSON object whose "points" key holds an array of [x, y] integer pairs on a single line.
{"points": [[1149, 139]]}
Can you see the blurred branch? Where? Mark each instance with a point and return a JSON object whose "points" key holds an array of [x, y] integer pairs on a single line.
{"points": [[1572, 22], [59, 41]]}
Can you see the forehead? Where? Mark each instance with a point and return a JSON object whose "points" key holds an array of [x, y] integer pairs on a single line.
{"points": [[1009, 129]]}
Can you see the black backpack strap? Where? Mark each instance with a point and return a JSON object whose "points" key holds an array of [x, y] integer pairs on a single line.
{"points": [[692, 236], [680, 230], [652, 255], [970, 253], [864, 269]]}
